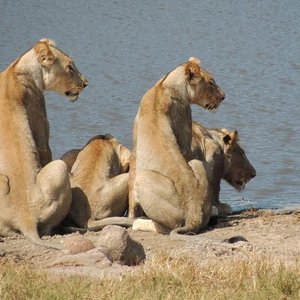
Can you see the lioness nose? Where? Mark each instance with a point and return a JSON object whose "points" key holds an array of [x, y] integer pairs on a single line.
{"points": [[253, 173], [85, 83], [222, 95]]}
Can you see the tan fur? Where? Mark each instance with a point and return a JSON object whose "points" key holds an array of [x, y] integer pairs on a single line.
{"points": [[226, 158], [33, 200], [172, 192], [99, 180]]}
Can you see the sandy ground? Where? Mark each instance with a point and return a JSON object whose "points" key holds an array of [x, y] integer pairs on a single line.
{"points": [[274, 235]]}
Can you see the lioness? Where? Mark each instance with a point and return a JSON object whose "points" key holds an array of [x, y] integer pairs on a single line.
{"points": [[172, 192], [33, 200], [99, 181], [227, 159]]}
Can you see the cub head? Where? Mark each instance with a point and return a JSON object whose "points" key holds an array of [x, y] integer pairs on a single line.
{"points": [[238, 169], [201, 87], [59, 71]]}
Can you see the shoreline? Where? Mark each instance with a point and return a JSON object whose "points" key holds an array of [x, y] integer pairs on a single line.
{"points": [[241, 236]]}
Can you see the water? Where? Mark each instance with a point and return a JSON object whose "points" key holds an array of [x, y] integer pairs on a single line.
{"points": [[124, 47]]}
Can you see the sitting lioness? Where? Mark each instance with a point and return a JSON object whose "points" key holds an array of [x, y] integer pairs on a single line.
{"points": [[33, 200], [99, 181], [221, 150], [172, 192]]}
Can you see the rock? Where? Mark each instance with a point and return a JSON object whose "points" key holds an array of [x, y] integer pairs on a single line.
{"points": [[96, 257], [122, 248], [74, 244], [2, 253], [142, 224], [235, 239]]}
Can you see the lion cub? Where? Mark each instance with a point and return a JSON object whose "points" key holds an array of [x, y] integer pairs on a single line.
{"points": [[227, 159], [99, 181], [173, 192]]}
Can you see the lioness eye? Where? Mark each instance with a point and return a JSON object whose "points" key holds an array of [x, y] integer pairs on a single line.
{"points": [[70, 68], [211, 83]]}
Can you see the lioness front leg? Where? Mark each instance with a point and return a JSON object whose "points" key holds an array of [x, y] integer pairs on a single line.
{"points": [[51, 199], [134, 209], [201, 171]]}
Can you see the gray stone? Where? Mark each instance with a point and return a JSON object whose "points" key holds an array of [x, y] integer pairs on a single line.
{"points": [[96, 257], [74, 244], [122, 248]]}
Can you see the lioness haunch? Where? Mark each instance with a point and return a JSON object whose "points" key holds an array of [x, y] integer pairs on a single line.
{"points": [[172, 192], [227, 159], [33, 200]]}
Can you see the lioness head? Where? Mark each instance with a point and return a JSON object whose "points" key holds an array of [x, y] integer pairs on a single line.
{"points": [[59, 71], [122, 152], [194, 84], [238, 169], [201, 87]]}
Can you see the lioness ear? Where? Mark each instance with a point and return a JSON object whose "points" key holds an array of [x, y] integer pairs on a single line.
{"points": [[108, 136], [44, 54], [48, 42], [226, 139], [195, 60], [192, 72], [234, 135], [224, 130], [230, 138]]}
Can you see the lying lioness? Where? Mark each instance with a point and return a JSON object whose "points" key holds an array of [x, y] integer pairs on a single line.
{"points": [[172, 192], [227, 159], [33, 200], [99, 181]]}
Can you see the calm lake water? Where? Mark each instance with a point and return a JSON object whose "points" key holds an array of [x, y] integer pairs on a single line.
{"points": [[124, 47]]}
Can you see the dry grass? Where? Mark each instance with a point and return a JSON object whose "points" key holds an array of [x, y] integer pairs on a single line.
{"points": [[160, 278]]}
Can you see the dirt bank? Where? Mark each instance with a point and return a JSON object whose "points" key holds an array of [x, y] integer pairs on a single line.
{"points": [[271, 234]]}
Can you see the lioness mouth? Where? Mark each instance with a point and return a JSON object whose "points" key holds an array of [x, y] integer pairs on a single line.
{"points": [[71, 95], [211, 107], [241, 183]]}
